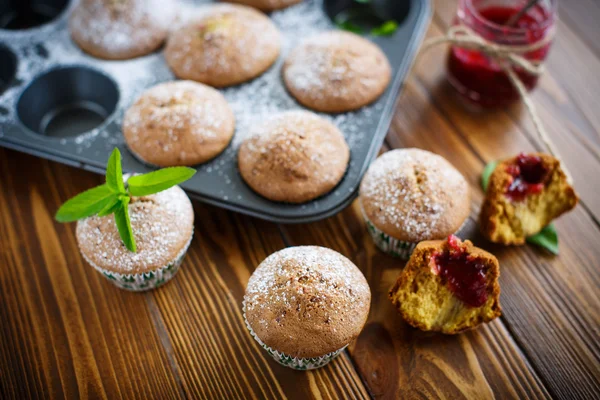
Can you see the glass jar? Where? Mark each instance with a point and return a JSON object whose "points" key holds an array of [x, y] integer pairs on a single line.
{"points": [[478, 78]]}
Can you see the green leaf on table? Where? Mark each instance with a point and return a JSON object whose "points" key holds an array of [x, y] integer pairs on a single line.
{"points": [[487, 172], [386, 29], [111, 206], [124, 224], [547, 238], [157, 181], [114, 172], [85, 204]]}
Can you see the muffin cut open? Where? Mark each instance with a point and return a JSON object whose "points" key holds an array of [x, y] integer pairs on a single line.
{"points": [[448, 286]]}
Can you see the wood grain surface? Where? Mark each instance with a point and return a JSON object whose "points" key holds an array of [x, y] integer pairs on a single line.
{"points": [[65, 332]]}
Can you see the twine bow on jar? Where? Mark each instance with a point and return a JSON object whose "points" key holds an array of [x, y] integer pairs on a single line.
{"points": [[508, 57]]}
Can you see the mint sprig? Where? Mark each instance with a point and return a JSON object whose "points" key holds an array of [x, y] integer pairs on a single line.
{"points": [[114, 196], [357, 19], [547, 238]]}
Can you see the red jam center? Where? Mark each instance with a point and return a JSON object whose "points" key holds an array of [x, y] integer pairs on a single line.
{"points": [[465, 274], [529, 174], [480, 79]]}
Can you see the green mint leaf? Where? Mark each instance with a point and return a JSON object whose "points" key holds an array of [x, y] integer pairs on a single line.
{"points": [[111, 206], [487, 172], [343, 21], [547, 238], [386, 29], [350, 27], [124, 224], [114, 173], [84, 204], [157, 181]]}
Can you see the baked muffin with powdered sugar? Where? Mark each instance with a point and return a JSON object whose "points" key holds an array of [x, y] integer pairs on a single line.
{"points": [[121, 29], [223, 45], [305, 304], [411, 195], [178, 123], [336, 72], [294, 157]]}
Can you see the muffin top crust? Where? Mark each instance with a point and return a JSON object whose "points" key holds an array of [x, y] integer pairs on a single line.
{"points": [[336, 71], [294, 157], [162, 225], [307, 301], [121, 29], [415, 195], [178, 123], [223, 45]]}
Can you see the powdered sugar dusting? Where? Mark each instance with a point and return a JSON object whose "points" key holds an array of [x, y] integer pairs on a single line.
{"points": [[412, 191], [162, 225], [118, 26], [311, 280]]}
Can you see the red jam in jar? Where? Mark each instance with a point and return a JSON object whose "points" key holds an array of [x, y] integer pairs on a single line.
{"points": [[478, 78], [465, 274], [529, 174]]}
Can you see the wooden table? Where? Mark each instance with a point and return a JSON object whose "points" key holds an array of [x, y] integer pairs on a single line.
{"points": [[67, 332]]}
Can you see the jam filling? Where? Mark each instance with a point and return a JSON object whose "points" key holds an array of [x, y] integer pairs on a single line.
{"points": [[478, 74], [464, 274], [529, 174]]}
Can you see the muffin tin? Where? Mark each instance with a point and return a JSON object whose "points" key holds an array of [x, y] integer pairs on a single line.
{"points": [[58, 103]]}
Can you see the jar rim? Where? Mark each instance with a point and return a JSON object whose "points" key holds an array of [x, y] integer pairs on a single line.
{"points": [[552, 16]]}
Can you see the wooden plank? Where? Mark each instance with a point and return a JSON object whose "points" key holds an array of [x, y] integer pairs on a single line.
{"points": [[66, 332], [563, 348]]}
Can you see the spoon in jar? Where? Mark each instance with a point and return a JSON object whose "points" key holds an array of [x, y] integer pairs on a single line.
{"points": [[515, 18]]}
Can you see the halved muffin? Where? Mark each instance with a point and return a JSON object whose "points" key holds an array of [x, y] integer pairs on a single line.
{"points": [[448, 286], [525, 193]]}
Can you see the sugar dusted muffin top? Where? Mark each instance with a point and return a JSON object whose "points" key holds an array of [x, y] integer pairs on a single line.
{"points": [[178, 123], [307, 301], [162, 225], [294, 157], [336, 71], [414, 195], [223, 45]]}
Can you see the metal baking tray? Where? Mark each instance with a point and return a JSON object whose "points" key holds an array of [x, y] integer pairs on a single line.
{"points": [[41, 68]]}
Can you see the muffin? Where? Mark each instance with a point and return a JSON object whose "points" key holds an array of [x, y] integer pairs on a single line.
{"points": [[294, 157], [121, 29], [226, 45], [410, 195], [266, 5], [336, 71], [178, 123], [305, 304], [448, 286], [163, 226], [524, 194]]}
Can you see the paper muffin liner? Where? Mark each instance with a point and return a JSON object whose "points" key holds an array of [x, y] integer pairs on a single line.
{"points": [[390, 245], [146, 280], [301, 364]]}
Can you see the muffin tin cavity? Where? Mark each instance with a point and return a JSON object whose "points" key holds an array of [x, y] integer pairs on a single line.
{"points": [[8, 68], [67, 101], [26, 14], [368, 15]]}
